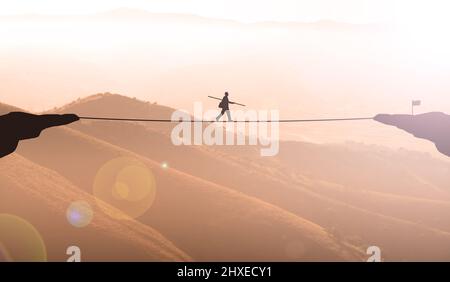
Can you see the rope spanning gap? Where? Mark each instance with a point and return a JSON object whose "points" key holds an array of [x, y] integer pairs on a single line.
{"points": [[234, 121]]}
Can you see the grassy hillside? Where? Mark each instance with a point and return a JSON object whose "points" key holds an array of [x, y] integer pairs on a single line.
{"points": [[363, 194], [42, 197], [207, 220]]}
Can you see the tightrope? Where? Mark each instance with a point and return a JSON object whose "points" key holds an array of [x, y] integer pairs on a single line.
{"points": [[234, 121]]}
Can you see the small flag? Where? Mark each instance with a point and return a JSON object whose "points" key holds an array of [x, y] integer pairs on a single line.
{"points": [[415, 103]]}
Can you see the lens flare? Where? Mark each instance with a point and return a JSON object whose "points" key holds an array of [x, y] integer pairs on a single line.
{"points": [[20, 241], [164, 165], [126, 184], [4, 255], [79, 214]]}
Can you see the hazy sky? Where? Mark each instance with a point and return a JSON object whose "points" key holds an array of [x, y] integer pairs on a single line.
{"points": [[243, 10], [406, 12], [49, 63]]}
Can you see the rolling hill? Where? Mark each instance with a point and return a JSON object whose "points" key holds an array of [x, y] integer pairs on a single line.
{"points": [[42, 196], [326, 184], [208, 221], [311, 202]]}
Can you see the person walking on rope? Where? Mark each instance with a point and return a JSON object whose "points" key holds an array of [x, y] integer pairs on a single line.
{"points": [[224, 105]]}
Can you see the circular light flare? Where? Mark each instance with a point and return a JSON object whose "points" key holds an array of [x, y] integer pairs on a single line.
{"points": [[121, 190], [164, 165], [4, 254], [126, 184], [79, 214], [20, 241]]}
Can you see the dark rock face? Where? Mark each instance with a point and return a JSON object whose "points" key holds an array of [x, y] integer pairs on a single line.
{"points": [[17, 126]]}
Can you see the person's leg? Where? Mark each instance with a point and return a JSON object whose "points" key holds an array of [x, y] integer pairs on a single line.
{"points": [[220, 115], [229, 115]]}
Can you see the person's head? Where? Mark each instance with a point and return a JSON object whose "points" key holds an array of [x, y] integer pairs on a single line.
{"points": [[226, 93]]}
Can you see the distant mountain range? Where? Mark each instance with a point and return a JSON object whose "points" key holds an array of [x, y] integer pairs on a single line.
{"points": [[309, 203]]}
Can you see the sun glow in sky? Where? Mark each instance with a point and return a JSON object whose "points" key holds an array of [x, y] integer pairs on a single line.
{"points": [[355, 11], [418, 14], [51, 61], [405, 12], [416, 36]]}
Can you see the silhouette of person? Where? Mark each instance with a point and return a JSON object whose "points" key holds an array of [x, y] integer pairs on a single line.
{"points": [[224, 105], [17, 126]]}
